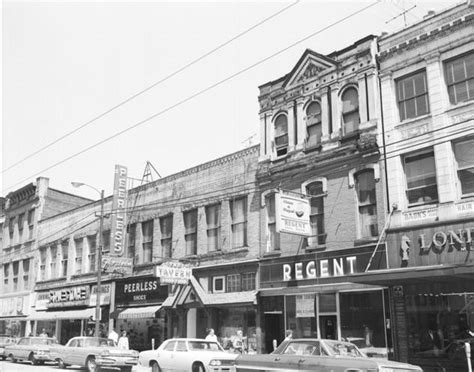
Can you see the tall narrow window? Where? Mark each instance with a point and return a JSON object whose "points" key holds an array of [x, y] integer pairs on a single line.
{"points": [[213, 221], [412, 92], [273, 238], [315, 191], [16, 266], [460, 78], [234, 283], [147, 232], [1, 235], [106, 241], [249, 282], [190, 231], [42, 264], [238, 212], [350, 110], [91, 257], [79, 244], [31, 221], [313, 124], [26, 274], [21, 222], [420, 173], [64, 257], [166, 228], [53, 273], [11, 226], [464, 152], [281, 135], [367, 203], [6, 277], [132, 236]]}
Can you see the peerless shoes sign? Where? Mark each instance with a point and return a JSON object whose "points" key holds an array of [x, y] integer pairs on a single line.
{"points": [[140, 290]]}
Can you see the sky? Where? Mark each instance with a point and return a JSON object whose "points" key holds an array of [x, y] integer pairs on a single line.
{"points": [[65, 63]]}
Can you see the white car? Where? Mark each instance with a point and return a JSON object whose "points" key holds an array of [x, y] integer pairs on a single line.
{"points": [[188, 354]]}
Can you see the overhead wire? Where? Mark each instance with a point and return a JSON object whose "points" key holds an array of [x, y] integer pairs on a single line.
{"points": [[198, 93], [148, 88]]}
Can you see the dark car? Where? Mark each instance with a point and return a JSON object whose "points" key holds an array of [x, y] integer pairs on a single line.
{"points": [[319, 355], [5, 341], [34, 349]]}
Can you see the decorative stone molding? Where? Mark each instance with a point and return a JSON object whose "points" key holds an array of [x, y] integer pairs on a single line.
{"points": [[354, 171]]}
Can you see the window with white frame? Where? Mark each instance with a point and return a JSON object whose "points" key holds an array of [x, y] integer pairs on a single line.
{"points": [[367, 203], [30, 217], [234, 283], [132, 236], [64, 257], [218, 284], [273, 238], [412, 95], [315, 190], [26, 274], [313, 124], [249, 282], [78, 245], [213, 221], [53, 251], [464, 153], [166, 228], [147, 241], [190, 231], [91, 257], [16, 268], [281, 135], [350, 110], [420, 173], [42, 264], [238, 212], [6, 276], [460, 78]]}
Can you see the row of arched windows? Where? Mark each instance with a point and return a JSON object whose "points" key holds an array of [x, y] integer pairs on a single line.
{"points": [[313, 117]]}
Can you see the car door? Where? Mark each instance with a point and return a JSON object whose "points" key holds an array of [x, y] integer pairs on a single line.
{"points": [[23, 349], [312, 358], [181, 357], [165, 356], [70, 352]]}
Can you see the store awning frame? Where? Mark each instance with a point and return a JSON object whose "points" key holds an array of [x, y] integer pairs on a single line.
{"points": [[139, 312], [87, 313]]}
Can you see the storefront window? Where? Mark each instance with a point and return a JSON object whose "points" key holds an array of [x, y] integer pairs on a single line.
{"points": [[231, 320], [15, 328], [48, 325], [144, 332], [300, 315], [440, 319]]}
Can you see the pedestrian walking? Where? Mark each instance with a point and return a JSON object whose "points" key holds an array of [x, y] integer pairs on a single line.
{"points": [[211, 336], [123, 341]]}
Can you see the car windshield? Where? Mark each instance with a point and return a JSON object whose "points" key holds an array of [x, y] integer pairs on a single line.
{"points": [[94, 342], [6, 340], [338, 348], [303, 348], [43, 341], [204, 346]]}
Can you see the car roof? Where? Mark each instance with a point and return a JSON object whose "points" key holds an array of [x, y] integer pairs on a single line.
{"points": [[188, 339]]}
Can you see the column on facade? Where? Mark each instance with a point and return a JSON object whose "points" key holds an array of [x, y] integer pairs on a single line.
{"points": [[70, 246], [86, 253], [226, 223], [47, 270], [361, 90], [139, 242], [336, 116], [201, 231], [436, 87], [373, 95], [291, 125], [325, 115], [445, 172], [157, 247], [301, 123], [265, 138]]}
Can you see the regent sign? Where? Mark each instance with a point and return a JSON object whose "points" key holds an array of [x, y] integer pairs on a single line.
{"points": [[119, 213], [325, 268], [173, 273], [292, 214]]}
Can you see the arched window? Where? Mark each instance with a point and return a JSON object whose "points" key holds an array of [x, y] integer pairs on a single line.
{"points": [[315, 191], [281, 135], [350, 110], [367, 203], [313, 124]]}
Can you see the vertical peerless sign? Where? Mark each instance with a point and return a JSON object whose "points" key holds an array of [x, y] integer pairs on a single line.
{"points": [[119, 212], [292, 214]]}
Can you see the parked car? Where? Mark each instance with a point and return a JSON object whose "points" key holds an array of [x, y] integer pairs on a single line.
{"points": [[188, 354], [5, 341], [321, 355], [94, 353], [34, 349]]}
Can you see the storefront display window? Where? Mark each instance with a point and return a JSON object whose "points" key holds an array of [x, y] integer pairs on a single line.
{"points": [[48, 325], [144, 332], [234, 319], [15, 328]]}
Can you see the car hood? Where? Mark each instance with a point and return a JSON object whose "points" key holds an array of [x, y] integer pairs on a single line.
{"points": [[396, 365]]}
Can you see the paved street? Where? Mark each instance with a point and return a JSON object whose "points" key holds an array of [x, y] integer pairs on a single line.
{"points": [[6, 366]]}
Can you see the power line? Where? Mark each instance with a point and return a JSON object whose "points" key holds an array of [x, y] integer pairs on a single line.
{"points": [[197, 94], [167, 77]]}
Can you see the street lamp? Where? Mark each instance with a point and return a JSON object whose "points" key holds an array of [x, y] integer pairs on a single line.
{"points": [[99, 255]]}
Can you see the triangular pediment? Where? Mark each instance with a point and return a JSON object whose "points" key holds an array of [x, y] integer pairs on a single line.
{"points": [[310, 65]]}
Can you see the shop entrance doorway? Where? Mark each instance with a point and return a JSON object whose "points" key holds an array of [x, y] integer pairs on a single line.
{"points": [[274, 330], [328, 326], [70, 329]]}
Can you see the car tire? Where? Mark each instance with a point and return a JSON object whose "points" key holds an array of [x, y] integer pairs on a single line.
{"points": [[12, 358], [198, 367], [155, 367], [61, 363], [91, 365], [3, 357], [126, 369], [32, 359]]}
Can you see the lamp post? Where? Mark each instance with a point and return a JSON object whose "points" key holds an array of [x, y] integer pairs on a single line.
{"points": [[99, 255]]}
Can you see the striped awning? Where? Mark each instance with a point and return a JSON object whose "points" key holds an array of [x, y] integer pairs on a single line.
{"points": [[139, 312], [66, 314]]}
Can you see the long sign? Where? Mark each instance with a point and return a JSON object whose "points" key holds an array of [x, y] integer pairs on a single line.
{"points": [[173, 273], [292, 214], [140, 290], [119, 213], [73, 296]]}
